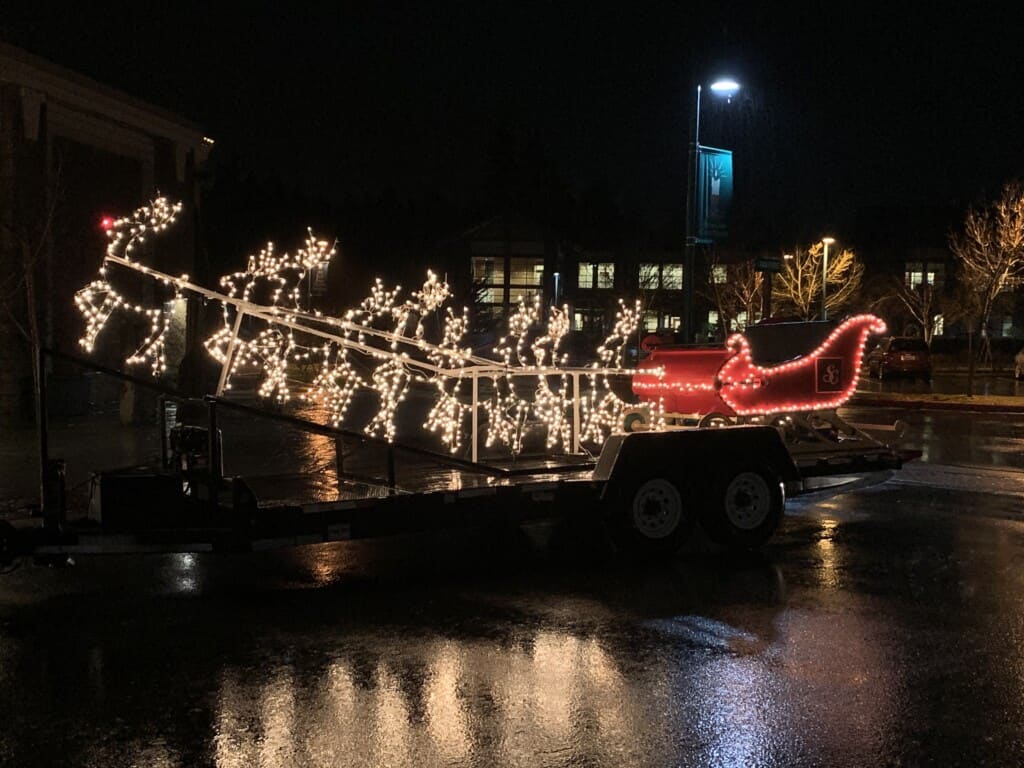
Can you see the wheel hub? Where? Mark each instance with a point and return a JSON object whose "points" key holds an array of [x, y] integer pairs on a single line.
{"points": [[657, 509], [747, 500]]}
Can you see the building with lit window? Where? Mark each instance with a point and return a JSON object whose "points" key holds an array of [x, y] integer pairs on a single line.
{"points": [[501, 262], [509, 258]]}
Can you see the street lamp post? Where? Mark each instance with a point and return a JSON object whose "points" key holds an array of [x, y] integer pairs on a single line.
{"points": [[826, 241], [766, 288], [722, 87]]}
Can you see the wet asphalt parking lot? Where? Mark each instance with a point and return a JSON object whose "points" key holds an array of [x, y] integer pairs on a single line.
{"points": [[881, 626]]}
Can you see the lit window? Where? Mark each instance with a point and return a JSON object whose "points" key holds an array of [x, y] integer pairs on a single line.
{"points": [[489, 270], [577, 321], [586, 275], [672, 276], [712, 317], [719, 274], [526, 271], [739, 322], [518, 294], [650, 321], [918, 273], [668, 276], [673, 322], [488, 295], [489, 279], [597, 275], [649, 276], [938, 325]]}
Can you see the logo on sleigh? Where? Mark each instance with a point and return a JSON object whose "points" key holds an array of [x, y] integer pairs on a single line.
{"points": [[829, 374]]}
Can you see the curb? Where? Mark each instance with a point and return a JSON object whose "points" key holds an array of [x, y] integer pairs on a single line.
{"points": [[930, 405]]}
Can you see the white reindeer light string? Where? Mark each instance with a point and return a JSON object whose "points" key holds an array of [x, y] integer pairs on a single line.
{"points": [[380, 346], [603, 410], [99, 299]]}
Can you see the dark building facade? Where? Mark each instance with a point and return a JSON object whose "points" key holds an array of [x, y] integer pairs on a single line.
{"points": [[510, 258], [71, 152]]}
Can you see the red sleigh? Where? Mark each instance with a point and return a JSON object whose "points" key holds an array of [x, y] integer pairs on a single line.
{"points": [[729, 382]]}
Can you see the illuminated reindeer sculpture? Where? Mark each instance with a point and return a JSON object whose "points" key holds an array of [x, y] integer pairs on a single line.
{"points": [[381, 346]]}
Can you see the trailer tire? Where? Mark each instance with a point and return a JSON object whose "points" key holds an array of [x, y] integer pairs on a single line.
{"points": [[635, 421], [650, 517], [744, 507], [714, 420]]}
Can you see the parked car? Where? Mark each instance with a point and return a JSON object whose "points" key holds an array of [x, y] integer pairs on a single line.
{"points": [[1018, 365], [900, 356]]}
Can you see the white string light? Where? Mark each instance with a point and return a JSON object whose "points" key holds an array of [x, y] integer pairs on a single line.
{"points": [[266, 329], [99, 300]]}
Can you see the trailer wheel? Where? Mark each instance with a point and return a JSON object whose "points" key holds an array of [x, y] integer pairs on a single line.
{"points": [[651, 517], [635, 421], [745, 507], [714, 420]]}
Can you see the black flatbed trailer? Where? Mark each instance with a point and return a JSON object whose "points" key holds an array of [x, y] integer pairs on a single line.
{"points": [[651, 489]]}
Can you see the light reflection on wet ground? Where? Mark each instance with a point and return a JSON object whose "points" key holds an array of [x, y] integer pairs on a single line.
{"points": [[964, 438], [883, 626]]}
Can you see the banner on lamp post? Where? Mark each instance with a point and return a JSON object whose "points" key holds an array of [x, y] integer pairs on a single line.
{"points": [[714, 193]]}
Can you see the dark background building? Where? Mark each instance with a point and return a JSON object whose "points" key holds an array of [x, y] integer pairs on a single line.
{"points": [[73, 150]]}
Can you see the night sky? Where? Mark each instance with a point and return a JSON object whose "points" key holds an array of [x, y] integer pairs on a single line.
{"points": [[845, 106]]}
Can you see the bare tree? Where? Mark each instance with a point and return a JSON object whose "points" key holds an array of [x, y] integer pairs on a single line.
{"points": [[990, 255], [922, 302], [26, 232], [797, 287], [27, 235], [735, 290]]}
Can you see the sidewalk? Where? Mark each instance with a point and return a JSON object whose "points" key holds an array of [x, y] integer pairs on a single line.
{"points": [[947, 402], [993, 392]]}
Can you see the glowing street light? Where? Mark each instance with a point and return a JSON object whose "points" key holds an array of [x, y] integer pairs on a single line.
{"points": [[726, 88], [826, 241]]}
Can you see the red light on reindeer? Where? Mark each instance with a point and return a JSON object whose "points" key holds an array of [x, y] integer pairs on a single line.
{"points": [[107, 223]]}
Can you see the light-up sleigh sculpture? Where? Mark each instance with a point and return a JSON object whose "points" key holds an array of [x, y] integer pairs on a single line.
{"points": [[728, 383], [381, 346]]}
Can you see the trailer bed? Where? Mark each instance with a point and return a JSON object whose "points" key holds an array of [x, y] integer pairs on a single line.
{"points": [[373, 488]]}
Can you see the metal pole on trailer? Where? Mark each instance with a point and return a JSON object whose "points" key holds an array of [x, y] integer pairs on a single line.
{"points": [[575, 413], [162, 420], [214, 466], [226, 368], [475, 420]]}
